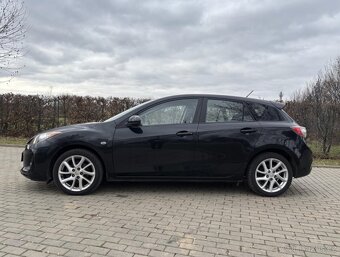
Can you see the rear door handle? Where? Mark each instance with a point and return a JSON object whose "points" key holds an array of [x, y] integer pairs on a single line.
{"points": [[184, 133], [248, 130]]}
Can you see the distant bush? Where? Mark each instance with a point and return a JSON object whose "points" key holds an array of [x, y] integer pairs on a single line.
{"points": [[26, 115]]}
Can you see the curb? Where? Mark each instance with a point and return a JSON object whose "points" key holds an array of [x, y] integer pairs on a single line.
{"points": [[327, 166]]}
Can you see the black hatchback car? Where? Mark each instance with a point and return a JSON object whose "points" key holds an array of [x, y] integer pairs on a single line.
{"points": [[183, 138]]}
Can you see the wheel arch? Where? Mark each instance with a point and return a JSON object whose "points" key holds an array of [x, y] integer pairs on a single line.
{"points": [[71, 147], [283, 152]]}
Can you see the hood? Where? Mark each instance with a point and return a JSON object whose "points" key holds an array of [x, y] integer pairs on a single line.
{"points": [[81, 126]]}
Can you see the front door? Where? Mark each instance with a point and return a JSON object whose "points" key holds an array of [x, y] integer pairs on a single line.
{"points": [[164, 145]]}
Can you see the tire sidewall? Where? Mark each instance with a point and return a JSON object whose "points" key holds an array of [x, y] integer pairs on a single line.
{"points": [[92, 157], [252, 179]]}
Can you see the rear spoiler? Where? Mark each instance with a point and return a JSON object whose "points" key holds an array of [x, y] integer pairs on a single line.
{"points": [[278, 105]]}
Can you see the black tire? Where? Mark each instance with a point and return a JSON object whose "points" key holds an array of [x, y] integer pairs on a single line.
{"points": [[251, 175], [95, 179]]}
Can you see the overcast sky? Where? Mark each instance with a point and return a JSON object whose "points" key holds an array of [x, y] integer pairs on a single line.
{"points": [[157, 48]]}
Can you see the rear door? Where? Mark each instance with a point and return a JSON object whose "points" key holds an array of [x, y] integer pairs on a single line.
{"points": [[227, 135]]}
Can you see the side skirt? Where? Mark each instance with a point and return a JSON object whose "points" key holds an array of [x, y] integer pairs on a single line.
{"points": [[180, 179]]}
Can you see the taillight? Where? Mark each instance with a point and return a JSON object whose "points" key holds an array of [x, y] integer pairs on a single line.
{"points": [[301, 131]]}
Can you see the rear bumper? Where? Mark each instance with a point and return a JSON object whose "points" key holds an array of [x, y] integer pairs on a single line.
{"points": [[304, 166]]}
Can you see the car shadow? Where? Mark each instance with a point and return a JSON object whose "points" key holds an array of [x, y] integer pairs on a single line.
{"points": [[214, 188], [126, 189], [173, 187]]}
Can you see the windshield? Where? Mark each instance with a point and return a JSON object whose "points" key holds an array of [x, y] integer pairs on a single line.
{"points": [[119, 115]]}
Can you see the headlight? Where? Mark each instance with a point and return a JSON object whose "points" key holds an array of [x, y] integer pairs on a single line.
{"points": [[44, 136]]}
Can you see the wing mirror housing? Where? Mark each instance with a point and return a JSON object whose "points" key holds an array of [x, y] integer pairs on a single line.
{"points": [[134, 121]]}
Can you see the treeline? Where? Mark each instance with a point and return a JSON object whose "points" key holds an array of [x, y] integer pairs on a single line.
{"points": [[26, 115], [317, 107]]}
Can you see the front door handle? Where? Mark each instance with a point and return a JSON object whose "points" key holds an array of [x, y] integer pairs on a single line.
{"points": [[248, 130], [184, 133]]}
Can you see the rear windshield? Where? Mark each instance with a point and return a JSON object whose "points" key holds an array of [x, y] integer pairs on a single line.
{"points": [[263, 112]]}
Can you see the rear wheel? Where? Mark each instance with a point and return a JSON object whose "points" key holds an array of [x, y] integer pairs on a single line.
{"points": [[269, 174], [77, 172]]}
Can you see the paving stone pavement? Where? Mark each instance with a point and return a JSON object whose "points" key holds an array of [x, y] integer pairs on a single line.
{"points": [[167, 219]]}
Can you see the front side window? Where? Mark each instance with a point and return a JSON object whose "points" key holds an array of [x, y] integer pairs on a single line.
{"points": [[226, 111], [173, 112]]}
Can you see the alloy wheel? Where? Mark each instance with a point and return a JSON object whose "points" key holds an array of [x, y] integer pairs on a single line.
{"points": [[271, 175], [76, 173]]}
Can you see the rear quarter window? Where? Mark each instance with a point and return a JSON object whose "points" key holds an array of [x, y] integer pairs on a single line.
{"points": [[263, 112]]}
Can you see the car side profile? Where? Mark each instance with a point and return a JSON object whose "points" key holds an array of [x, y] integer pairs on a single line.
{"points": [[176, 138]]}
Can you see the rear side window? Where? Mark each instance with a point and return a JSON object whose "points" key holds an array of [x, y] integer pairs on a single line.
{"points": [[226, 111], [264, 112]]}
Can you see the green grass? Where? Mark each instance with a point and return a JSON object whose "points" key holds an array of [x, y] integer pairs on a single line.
{"points": [[329, 162], [320, 159], [334, 156], [13, 140], [317, 150]]}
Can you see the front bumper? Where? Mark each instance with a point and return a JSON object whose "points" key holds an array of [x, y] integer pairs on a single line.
{"points": [[35, 163]]}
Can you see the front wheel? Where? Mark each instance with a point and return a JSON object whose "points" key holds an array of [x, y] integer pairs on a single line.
{"points": [[77, 172], [270, 174]]}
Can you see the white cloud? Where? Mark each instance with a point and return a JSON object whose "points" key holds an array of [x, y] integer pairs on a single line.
{"points": [[156, 48]]}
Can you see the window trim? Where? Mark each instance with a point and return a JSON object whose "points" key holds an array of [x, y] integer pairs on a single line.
{"points": [[245, 105], [205, 109]]}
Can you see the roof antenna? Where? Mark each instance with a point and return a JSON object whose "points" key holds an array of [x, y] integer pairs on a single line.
{"points": [[250, 93]]}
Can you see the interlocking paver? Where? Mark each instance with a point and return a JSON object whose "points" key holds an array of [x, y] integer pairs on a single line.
{"points": [[31, 253], [167, 219]]}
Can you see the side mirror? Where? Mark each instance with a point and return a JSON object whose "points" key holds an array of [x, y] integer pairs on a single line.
{"points": [[134, 121]]}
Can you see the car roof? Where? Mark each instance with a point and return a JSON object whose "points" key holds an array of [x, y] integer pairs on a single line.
{"points": [[237, 98], [175, 97]]}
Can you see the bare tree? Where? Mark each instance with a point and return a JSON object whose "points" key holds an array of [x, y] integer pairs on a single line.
{"points": [[326, 95], [12, 33], [318, 106]]}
